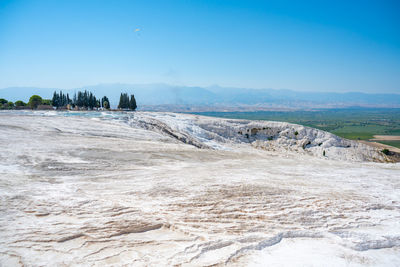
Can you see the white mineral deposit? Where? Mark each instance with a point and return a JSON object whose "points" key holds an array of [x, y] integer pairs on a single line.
{"points": [[165, 189]]}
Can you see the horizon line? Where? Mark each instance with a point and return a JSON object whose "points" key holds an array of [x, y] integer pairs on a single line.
{"points": [[203, 87]]}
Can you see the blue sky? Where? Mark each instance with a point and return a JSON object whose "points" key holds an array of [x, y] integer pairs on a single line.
{"points": [[301, 45]]}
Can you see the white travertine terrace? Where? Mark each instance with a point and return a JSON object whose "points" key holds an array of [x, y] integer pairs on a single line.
{"points": [[162, 189]]}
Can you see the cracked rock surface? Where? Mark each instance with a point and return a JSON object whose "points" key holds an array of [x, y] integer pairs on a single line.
{"points": [[163, 189]]}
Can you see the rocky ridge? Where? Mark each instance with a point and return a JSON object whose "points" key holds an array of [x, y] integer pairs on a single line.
{"points": [[217, 133]]}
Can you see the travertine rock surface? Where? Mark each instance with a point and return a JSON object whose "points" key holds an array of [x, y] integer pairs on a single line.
{"points": [[162, 189]]}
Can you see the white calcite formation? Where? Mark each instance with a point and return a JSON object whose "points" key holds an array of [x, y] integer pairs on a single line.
{"points": [[164, 189], [206, 132]]}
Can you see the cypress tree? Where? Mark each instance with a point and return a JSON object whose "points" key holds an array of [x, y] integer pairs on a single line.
{"points": [[85, 99], [64, 101], [120, 104], [61, 97], [126, 99], [132, 103], [80, 100], [74, 100], [90, 102], [105, 103], [54, 101]]}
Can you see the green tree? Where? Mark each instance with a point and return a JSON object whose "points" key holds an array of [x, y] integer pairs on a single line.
{"points": [[123, 101], [79, 101], [85, 99], [10, 105], [46, 102], [34, 101], [74, 99], [92, 100], [59, 100], [20, 103], [105, 103], [126, 101], [55, 100], [132, 103], [3, 103]]}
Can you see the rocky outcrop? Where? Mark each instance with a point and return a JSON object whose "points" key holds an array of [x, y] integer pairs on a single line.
{"points": [[216, 133]]}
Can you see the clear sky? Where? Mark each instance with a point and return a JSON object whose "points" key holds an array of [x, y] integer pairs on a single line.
{"points": [[301, 45]]}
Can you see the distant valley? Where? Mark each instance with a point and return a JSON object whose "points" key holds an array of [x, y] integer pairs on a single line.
{"points": [[166, 97]]}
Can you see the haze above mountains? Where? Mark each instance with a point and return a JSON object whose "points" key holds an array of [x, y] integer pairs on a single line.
{"points": [[148, 95]]}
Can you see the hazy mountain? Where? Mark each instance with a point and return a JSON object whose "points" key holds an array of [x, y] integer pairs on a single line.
{"points": [[163, 94]]}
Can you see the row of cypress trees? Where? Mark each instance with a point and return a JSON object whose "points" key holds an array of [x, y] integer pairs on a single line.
{"points": [[126, 103], [84, 99], [60, 100], [88, 100]]}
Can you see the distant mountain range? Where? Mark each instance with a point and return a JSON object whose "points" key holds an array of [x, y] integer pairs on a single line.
{"points": [[163, 94]]}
